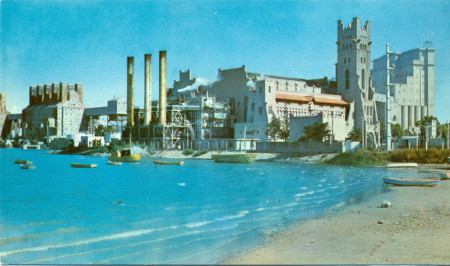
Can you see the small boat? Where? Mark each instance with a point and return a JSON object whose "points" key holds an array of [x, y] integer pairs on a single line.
{"points": [[429, 182], [114, 163], [124, 155], [168, 162], [234, 157], [23, 162], [28, 166], [81, 165], [401, 165]]}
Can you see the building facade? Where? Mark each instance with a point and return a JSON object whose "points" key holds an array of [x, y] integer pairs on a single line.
{"points": [[54, 109], [412, 85], [254, 99], [353, 77]]}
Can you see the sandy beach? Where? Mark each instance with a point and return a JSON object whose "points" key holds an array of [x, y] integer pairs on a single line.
{"points": [[415, 230]]}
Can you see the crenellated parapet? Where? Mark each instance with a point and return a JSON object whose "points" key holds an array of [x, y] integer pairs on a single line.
{"points": [[50, 94]]}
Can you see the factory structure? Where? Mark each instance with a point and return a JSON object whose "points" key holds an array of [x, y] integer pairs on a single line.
{"points": [[239, 104], [412, 86]]}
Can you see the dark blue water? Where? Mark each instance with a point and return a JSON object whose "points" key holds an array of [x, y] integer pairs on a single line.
{"points": [[200, 212]]}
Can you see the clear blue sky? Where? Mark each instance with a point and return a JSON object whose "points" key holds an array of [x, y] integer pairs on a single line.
{"points": [[89, 41]]}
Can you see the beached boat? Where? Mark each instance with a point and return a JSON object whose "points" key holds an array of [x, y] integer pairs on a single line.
{"points": [[83, 165], [28, 166], [114, 163], [168, 162], [234, 157], [23, 162], [124, 155], [429, 182], [401, 165]]}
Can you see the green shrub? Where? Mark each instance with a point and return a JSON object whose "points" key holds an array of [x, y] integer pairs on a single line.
{"points": [[201, 152], [359, 158], [188, 152], [432, 155]]}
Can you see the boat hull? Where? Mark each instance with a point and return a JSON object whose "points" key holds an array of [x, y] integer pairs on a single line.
{"points": [[401, 165], [79, 165], [129, 158], [430, 182], [167, 163], [23, 162], [234, 158], [28, 166]]}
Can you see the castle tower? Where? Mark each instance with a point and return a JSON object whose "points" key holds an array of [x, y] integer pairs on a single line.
{"points": [[353, 78]]}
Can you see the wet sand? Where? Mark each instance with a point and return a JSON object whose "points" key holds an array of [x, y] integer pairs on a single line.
{"points": [[415, 230]]}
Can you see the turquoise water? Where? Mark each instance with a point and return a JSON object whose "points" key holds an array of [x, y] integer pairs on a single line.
{"points": [[141, 213]]}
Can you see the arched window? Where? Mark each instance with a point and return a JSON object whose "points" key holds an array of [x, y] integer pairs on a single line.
{"points": [[345, 60], [363, 79], [347, 79], [269, 89], [349, 59]]}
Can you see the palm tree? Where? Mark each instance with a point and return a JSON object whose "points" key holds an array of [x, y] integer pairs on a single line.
{"points": [[316, 132], [355, 135]]}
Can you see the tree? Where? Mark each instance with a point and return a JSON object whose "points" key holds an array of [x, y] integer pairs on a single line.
{"points": [[444, 130], [355, 135], [100, 130], [110, 129], [397, 131], [426, 121], [274, 128], [382, 129], [284, 130], [315, 132]]}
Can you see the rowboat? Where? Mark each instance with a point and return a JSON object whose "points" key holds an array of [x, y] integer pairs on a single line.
{"points": [[401, 165], [168, 162], [114, 163], [234, 157], [28, 166], [81, 165], [124, 155], [23, 162], [429, 182]]}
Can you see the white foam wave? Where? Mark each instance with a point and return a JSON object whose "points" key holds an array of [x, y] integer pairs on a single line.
{"points": [[203, 223], [181, 184], [84, 242], [260, 209]]}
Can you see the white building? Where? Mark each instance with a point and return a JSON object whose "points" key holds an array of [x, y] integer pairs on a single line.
{"points": [[255, 99], [412, 85]]}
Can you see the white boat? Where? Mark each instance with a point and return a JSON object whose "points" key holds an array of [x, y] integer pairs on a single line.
{"points": [[401, 165], [83, 165], [114, 163]]}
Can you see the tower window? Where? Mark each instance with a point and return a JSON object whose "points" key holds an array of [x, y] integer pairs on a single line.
{"points": [[345, 60], [347, 79], [349, 59], [350, 46], [363, 79]]}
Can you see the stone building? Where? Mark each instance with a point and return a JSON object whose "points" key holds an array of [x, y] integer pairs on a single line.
{"points": [[412, 85], [3, 114], [54, 109], [353, 75], [254, 99]]}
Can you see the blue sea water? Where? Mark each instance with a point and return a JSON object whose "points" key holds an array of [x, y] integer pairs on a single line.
{"points": [[141, 213]]}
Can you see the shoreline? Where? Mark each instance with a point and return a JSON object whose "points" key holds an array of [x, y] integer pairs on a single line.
{"points": [[415, 230]]}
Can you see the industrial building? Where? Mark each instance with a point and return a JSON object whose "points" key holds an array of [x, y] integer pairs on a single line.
{"points": [[54, 109], [411, 86]]}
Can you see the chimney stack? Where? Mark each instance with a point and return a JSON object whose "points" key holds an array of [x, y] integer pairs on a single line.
{"points": [[162, 87], [130, 102], [147, 89]]}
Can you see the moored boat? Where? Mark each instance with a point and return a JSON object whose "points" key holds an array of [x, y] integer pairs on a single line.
{"points": [[234, 157], [23, 162], [168, 162], [429, 182], [124, 155], [114, 163], [28, 166], [83, 165], [401, 165]]}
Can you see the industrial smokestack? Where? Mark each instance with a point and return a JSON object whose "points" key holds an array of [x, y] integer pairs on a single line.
{"points": [[130, 102], [148, 89], [162, 87]]}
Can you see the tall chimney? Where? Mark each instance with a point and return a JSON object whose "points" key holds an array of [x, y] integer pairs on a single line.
{"points": [[162, 87], [148, 89], [130, 102]]}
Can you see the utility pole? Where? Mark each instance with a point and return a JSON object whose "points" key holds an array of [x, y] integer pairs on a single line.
{"points": [[448, 136], [388, 98]]}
